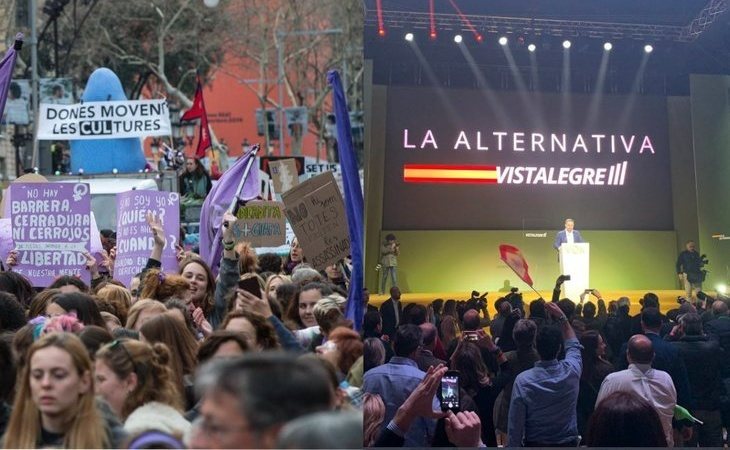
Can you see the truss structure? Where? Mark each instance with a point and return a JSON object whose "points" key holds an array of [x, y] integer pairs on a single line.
{"points": [[416, 20]]}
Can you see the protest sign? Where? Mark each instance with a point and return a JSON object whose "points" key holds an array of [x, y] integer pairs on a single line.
{"points": [[51, 229], [317, 214], [104, 120], [284, 174], [261, 223], [134, 237]]}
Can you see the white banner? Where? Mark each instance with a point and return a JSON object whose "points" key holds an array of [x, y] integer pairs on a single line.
{"points": [[104, 120]]}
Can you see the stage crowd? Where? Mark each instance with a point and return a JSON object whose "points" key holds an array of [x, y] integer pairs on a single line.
{"points": [[258, 356], [551, 373]]}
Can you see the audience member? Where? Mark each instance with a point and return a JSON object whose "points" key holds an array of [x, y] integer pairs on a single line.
{"points": [[707, 365], [395, 381], [542, 411], [246, 401], [640, 378], [625, 419]]}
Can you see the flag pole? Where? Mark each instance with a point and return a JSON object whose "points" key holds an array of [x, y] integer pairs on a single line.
{"points": [[518, 276], [251, 155]]}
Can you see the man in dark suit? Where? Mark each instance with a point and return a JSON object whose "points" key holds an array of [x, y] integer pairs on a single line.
{"points": [[391, 310], [568, 235], [425, 358], [720, 325]]}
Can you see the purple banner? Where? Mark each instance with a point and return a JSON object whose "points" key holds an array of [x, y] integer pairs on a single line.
{"points": [[134, 237], [51, 226]]}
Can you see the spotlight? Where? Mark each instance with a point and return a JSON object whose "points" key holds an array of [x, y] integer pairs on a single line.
{"points": [[381, 32], [458, 39], [503, 40], [607, 46], [566, 44], [721, 288], [648, 48], [531, 47], [409, 37], [432, 35], [479, 38]]}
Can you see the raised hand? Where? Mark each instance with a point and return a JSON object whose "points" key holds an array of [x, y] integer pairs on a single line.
{"points": [[157, 231], [201, 322], [12, 259], [91, 265], [464, 429], [253, 303]]}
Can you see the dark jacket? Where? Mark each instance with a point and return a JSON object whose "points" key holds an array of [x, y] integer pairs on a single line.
{"points": [[691, 264], [705, 362], [720, 328], [387, 311], [666, 358], [425, 359]]}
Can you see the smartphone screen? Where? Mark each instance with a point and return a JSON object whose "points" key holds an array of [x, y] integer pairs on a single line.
{"points": [[250, 285], [450, 391]]}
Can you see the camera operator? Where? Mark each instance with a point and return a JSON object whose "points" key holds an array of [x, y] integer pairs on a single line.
{"points": [[689, 269], [389, 252]]}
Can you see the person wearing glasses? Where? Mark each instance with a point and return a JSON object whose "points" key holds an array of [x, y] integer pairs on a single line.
{"points": [[55, 405], [136, 380]]}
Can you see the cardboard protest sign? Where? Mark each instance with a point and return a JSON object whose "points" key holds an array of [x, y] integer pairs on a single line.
{"points": [[284, 174], [104, 120], [134, 237], [317, 214], [51, 227], [261, 223]]}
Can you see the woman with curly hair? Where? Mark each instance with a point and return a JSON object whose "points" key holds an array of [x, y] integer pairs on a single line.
{"points": [[259, 333], [160, 286], [137, 382]]}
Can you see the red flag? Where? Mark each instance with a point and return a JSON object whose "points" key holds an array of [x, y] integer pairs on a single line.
{"points": [[197, 111], [513, 258]]}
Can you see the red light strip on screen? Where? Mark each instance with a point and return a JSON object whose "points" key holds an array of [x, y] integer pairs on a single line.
{"points": [[439, 173]]}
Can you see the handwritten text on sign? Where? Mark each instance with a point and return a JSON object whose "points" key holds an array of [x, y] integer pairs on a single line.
{"points": [[317, 214], [261, 223], [51, 228], [134, 237]]}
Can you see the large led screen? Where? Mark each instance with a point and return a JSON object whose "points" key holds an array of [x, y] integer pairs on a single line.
{"points": [[475, 159]]}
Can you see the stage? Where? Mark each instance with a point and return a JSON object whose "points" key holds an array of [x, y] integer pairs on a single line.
{"points": [[667, 298]]}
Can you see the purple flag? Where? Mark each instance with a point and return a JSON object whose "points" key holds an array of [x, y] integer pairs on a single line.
{"points": [[134, 238], [353, 198], [219, 199], [51, 226], [7, 65]]}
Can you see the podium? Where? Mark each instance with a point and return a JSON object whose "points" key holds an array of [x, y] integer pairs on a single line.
{"points": [[575, 261]]}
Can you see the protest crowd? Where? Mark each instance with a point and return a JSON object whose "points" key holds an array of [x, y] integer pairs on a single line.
{"points": [[259, 356], [552, 373]]}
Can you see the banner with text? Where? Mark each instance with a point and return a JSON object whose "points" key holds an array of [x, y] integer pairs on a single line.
{"points": [[261, 223], [51, 227], [134, 237], [104, 120], [317, 214]]}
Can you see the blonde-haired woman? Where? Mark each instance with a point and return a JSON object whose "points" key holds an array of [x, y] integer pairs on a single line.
{"points": [[137, 382], [142, 311], [120, 298], [55, 404]]}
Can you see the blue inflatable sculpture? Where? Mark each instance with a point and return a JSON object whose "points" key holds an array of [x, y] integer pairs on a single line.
{"points": [[104, 155]]}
